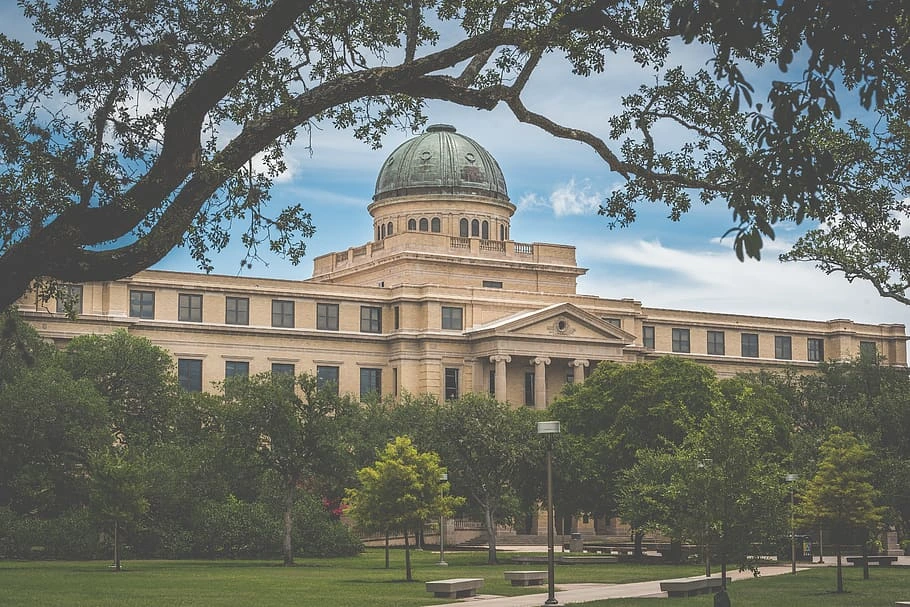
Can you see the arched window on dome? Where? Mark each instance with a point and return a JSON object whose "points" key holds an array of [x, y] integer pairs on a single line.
{"points": [[389, 229], [435, 225], [485, 230], [502, 232], [424, 225], [475, 227], [382, 231], [463, 228], [412, 224]]}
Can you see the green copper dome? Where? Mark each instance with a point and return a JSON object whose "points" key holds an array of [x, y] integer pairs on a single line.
{"points": [[440, 161]]}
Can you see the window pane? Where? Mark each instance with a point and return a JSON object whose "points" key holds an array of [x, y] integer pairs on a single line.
{"points": [[424, 224], [189, 308], [647, 337], [279, 368], [816, 349], [435, 225], [370, 382], [189, 374], [236, 311], [680, 340], [867, 349], [327, 378], [529, 389], [452, 318], [236, 367], [451, 392], [282, 313], [142, 304], [716, 342], [70, 295], [783, 347], [370, 319], [327, 317], [750, 344]]}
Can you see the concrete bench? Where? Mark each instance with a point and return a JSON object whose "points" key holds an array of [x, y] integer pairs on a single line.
{"points": [[691, 586], [902, 604], [599, 559], [884, 561], [525, 578], [455, 588]]}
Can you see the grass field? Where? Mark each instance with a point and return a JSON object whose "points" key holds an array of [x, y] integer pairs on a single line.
{"points": [[364, 580]]}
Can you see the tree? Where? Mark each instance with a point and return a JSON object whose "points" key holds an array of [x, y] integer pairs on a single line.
{"points": [[153, 125], [619, 410], [400, 491], [840, 495], [135, 377], [297, 431], [488, 449], [117, 494]]}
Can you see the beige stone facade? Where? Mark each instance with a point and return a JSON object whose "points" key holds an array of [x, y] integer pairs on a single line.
{"points": [[442, 300]]}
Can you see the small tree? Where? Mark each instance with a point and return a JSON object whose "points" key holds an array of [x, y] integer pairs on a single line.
{"points": [[841, 496], [400, 491], [117, 494]]}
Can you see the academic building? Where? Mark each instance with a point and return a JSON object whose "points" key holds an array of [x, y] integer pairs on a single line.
{"points": [[443, 299]]}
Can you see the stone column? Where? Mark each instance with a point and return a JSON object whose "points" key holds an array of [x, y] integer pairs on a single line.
{"points": [[500, 392], [540, 381], [578, 370]]}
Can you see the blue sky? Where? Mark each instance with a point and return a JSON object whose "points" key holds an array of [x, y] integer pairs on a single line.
{"points": [[557, 186]]}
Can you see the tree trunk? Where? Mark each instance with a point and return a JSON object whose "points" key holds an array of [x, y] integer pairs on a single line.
{"points": [[491, 534], [840, 573], [638, 536], [289, 522], [407, 557], [865, 560], [387, 549], [116, 546]]}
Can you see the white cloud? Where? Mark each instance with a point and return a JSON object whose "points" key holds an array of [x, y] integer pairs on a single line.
{"points": [[572, 198]]}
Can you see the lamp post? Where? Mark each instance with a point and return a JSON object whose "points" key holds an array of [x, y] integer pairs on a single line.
{"points": [[442, 523], [703, 464], [792, 478], [549, 429], [821, 546]]}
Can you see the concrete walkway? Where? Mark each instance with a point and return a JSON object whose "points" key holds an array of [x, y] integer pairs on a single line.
{"points": [[567, 594]]}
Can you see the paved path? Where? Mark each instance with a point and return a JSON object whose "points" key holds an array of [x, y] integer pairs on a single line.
{"points": [[567, 594]]}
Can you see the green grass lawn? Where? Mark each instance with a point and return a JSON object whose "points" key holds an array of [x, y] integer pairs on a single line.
{"points": [[364, 580]]}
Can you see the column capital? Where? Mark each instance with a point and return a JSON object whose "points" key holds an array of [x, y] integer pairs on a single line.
{"points": [[541, 360], [500, 358], [580, 362]]}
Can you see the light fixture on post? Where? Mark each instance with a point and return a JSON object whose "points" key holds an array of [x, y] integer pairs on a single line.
{"points": [[442, 523], [792, 478], [549, 429]]}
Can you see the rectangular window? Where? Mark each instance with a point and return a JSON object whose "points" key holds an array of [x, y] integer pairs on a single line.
{"points": [[616, 322], [716, 343], [142, 304], [327, 316], [783, 347], [529, 389], [370, 382], [815, 349], [70, 295], [236, 311], [282, 313], [286, 368], [681, 340], [451, 384], [647, 337], [189, 374], [452, 318], [327, 378], [370, 319], [396, 316], [236, 367], [492, 284], [189, 308], [492, 382], [750, 344], [867, 349]]}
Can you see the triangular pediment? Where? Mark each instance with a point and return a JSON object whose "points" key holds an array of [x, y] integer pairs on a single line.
{"points": [[564, 320]]}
